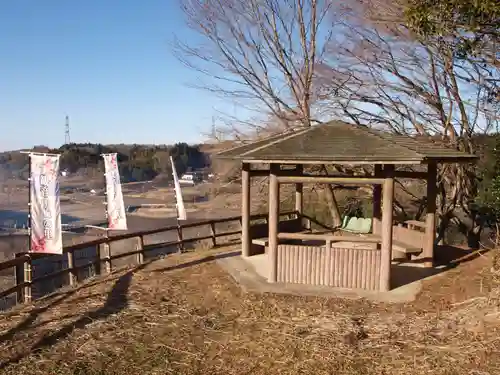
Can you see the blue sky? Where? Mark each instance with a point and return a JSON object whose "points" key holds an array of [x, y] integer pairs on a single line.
{"points": [[107, 64]]}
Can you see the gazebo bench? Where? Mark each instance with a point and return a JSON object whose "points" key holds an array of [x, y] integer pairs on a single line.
{"points": [[264, 241], [261, 241], [404, 249]]}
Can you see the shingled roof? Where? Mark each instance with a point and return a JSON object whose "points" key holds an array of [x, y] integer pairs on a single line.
{"points": [[340, 142]]}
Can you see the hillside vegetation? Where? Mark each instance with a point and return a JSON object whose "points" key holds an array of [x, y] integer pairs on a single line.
{"points": [[137, 162]]}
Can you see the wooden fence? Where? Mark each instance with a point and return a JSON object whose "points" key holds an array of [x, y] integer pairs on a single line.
{"points": [[324, 259], [98, 255], [329, 266]]}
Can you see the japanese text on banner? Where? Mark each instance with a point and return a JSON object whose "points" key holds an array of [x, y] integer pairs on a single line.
{"points": [[45, 209]]}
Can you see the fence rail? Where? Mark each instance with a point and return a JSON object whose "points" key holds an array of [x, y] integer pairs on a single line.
{"points": [[103, 257]]}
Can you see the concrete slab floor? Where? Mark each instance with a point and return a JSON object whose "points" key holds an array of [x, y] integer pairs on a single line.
{"points": [[251, 275]]}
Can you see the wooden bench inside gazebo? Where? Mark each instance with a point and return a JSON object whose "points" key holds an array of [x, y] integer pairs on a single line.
{"points": [[291, 253]]}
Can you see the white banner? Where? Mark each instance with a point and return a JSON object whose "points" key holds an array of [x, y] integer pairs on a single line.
{"points": [[181, 211], [117, 218], [45, 208]]}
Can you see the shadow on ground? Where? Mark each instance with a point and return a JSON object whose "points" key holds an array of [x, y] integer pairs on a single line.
{"points": [[199, 261], [446, 258], [117, 300]]}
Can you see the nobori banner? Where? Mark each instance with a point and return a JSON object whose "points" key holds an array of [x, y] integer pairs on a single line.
{"points": [[45, 208], [117, 219], [181, 211]]}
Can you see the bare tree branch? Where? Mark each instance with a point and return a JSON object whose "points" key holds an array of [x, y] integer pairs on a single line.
{"points": [[263, 54], [407, 85]]}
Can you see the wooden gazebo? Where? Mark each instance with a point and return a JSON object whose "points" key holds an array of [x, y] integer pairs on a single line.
{"points": [[340, 261]]}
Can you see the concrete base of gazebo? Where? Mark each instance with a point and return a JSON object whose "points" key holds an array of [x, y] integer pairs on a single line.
{"points": [[250, 273]]}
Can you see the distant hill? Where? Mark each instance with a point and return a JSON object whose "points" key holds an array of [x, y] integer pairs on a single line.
{"points": [[145, 162], [136, 162]]}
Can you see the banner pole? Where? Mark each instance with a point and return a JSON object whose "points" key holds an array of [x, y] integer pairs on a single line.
{"points": [[28, 224], [105, 199], [179, 231]]}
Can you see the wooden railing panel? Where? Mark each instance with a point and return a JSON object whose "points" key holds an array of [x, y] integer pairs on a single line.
{"points": [[123, 252], [14, 262], [353, 268]]}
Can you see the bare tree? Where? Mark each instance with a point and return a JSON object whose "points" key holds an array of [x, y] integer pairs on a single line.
{"points": [[382, 74], [260, 53], [263, 55]]}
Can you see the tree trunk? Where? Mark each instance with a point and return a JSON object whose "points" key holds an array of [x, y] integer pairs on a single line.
{"points": [[332, 201], [443, 225], [474, 237], [333, 205]]}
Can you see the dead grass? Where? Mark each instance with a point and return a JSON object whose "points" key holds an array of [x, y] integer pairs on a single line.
{"points": [[184, 315]]}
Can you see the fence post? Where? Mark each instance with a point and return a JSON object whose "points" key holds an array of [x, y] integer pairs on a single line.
{"points": [[179, 238], [28, 277], [140, 247], [107, 257], [97, 263], [212, 232], [19, 275], [71, 268]]}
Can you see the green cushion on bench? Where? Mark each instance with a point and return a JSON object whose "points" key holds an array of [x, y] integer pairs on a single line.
{"points": [[357, 225]]}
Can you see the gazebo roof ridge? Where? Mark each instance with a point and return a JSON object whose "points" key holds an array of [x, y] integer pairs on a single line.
{"points": [[366, 130], [253, 145], [416, 142], [282, 137]]}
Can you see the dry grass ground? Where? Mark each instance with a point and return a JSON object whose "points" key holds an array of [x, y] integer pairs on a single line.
{"points": [[184, 315]]}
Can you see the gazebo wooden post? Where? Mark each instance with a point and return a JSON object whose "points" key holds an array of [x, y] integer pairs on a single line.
{"points": [[299, 193], [386, 230], [274, 206], [245, 210], [430, 219], [377, 200]]}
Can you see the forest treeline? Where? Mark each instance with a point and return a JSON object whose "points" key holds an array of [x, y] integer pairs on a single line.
{"points": [[136, 162]]}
